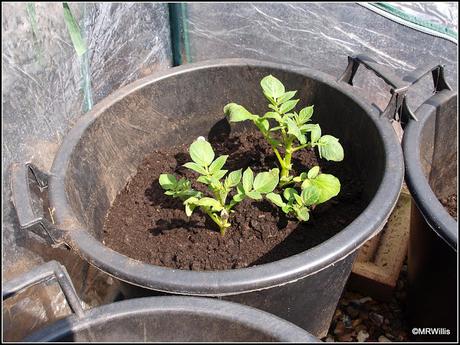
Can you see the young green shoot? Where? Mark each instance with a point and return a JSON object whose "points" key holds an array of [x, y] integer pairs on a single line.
{"points": [[216, 206], [292, 131], [316, 188]]}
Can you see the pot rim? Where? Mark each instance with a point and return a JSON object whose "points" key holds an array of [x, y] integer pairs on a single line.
{"points": [[263, 321], [228, 282], [434, 213]]}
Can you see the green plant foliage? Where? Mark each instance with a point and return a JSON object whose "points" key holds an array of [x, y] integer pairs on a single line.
{"points": [[316, 188], [288, 131], [291, 131], [240, 184]]}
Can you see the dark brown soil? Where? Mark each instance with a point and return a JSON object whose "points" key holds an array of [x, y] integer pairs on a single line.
{"points": [[450, 204], [149, 226]]}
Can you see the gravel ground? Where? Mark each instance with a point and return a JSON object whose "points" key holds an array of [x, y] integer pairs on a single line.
{"points": [[361, 318]]}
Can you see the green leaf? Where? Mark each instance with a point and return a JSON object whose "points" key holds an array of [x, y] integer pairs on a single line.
{"points": [[234, 178], [314, 129], [328, 186], [74, 30], [254, 195], [289, 105], [313, 172], [315, 133], [286, 208], [218, 164], [189, 207], [196, 167], [289, 193], [272, 87], [298, 199], [329, 148], [192, 201], [273, 115], [210, 202], [238, 113], [239, 197], [219, 174], [262, 124], [276, 199], [240, 188], [201, 152], [294, 130], [273, 142], [248, 178], [204, 179], [266, 182], [302, 214], [189, 193], [310, 195], [300, 178], [305, 114], [167, 181], [286, 96]]}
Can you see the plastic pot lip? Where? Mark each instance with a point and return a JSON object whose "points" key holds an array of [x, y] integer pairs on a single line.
{"points": [[267, 323], [228, 282], [430, 207]]}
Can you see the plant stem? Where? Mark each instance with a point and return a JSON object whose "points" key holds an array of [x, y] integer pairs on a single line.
{"points": [[287, 158], [280, 159], [275, 150], [216, 220], [222, 222], [302, 147]]}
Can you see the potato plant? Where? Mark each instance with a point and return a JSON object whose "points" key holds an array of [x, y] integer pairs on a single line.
{"points": [[287, 132], [316, 188], [292, 131], [216, 206]]}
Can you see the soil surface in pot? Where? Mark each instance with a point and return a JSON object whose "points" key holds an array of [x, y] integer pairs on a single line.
{"points": [[147, 225], [450, 204]]}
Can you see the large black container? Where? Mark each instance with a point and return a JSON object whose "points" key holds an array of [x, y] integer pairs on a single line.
{"points": [[155, 319], [177, 319], [101, 153], [430, 149]]}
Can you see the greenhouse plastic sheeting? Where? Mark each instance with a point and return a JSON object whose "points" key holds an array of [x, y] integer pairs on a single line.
{"points": [[47, 84], [443, 13], [321, 36]]}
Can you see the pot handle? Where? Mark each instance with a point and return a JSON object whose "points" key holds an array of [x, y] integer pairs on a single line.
{"points": [[41, 274], [23, 203], [397, 108]]}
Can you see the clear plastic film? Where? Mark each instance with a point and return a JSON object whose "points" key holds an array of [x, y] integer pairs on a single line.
{"points": [[442, 13], [58, 61], [321, 36]]}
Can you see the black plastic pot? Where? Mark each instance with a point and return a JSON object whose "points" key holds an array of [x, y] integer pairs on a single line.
{"points": [[430, 149], [155, 319], [103, 150]]}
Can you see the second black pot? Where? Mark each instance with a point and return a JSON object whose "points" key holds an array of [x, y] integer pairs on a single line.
{"points": [[154, 319], [430, 149]]}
